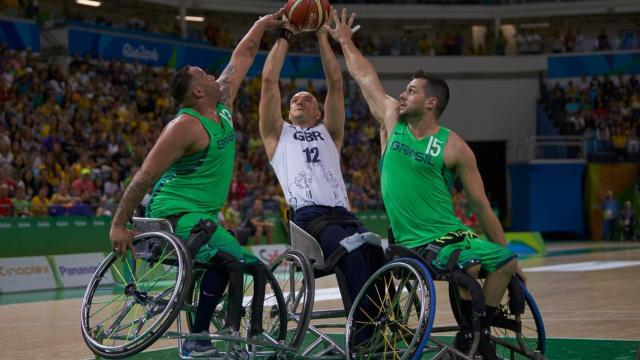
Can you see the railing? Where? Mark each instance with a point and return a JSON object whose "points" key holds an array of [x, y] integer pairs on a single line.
{"points": [[546, 149]]}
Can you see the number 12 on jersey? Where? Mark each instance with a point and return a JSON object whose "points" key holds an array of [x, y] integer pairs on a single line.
{"points": [[312, 154]]}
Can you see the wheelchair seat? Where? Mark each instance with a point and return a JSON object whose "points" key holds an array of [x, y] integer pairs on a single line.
{"points": [[399, 251], [306, 244], [142, 225]]}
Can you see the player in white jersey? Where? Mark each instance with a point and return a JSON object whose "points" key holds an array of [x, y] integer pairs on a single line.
{"points": [[305, 154]]}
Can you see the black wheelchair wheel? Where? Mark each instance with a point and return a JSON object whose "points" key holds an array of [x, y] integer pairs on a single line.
{"points": [[294, 276]]}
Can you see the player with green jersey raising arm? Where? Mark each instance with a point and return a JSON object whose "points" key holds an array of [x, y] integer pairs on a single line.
{"points": [[419, 165], [191, 165]]}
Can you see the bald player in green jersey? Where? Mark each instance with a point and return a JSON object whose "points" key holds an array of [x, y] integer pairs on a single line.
{"points": [[419, 165], [191, 165]]}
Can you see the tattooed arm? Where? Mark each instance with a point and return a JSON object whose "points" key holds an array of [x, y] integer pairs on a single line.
{"points": [[176, 140], [242, 57]]}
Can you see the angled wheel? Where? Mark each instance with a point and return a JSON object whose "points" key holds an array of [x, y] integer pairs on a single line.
{"points": [[393, 314], [295, 278], [130, 302], [519, 336]]}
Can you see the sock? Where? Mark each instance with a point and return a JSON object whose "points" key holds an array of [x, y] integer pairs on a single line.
{"points": [[488, 319], [211, 289], [467, 316]]}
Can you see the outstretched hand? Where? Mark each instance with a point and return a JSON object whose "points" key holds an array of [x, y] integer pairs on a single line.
{"points": [[343, 26], [328, 20], [286, 24], [273, 21]]}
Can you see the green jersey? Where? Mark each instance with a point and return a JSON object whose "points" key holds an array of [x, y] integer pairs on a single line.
{"points": [[199, 183], [416, 187]]}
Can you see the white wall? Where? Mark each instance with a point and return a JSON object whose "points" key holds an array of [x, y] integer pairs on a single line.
{"points": [[485, 109]]}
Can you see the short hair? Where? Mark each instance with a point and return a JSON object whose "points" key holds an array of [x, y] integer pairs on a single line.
{"points": [[435, 87], [179, 84]]}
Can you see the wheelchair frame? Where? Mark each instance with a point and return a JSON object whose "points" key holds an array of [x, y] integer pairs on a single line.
{"points": [[303, 263]]}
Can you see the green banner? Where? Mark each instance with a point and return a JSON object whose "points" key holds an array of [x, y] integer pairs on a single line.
{"points": [[619, 178], [76, 235], [53, 236]]}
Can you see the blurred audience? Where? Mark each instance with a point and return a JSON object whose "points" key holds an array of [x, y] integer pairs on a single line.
{"points": [[627, 223], [605, 111], [71, 139], [609, 215]]}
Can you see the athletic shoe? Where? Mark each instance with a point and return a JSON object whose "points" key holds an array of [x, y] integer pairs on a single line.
{"points": [[198, 348]]}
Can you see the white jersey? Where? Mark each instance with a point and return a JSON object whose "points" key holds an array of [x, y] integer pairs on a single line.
{"points": [[307, 164]]}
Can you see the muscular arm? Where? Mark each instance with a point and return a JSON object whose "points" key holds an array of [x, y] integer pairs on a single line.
{"points": [[334, 116], [367, 79], [271, 122], [240, 62], [243, 57], [467, 169], [382, 107], [172, 144]]}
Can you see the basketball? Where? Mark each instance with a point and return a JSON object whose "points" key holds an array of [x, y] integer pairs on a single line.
{"points": [[307, 15]]}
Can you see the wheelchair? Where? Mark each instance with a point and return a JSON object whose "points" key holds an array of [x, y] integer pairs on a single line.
{"points": [[131, 302], [408, 307], [402, 296]]}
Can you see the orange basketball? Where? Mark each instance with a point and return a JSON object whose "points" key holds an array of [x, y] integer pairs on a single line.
{"points": [[307, 15]]}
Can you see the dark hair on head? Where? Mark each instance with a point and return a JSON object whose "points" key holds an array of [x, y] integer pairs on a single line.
{"points": [[179, 84], [435, 87]]}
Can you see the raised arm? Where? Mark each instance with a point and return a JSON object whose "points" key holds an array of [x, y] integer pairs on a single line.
{"points": [[271, 122], [174, 141], [382, 107], [334, 117], [243, 57]]}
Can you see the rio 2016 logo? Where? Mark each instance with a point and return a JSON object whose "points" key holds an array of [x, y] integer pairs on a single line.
{"points": [[269, 255]]}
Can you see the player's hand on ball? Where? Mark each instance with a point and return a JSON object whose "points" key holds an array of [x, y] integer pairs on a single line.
{"points": [[342, 31], [286, 24], [273, 21], [324, 29]]}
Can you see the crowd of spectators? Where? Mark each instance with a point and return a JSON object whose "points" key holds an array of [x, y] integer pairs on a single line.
{"points": [[529, 41], [386, 40], [605, 111], [71, 138]]}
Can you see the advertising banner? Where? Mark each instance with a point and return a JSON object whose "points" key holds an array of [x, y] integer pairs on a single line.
{"points": [[20, 34], [621, 179], [160, 51], [26, 273], [593, 65], [53, 235], [268, 253], [76, 270]]}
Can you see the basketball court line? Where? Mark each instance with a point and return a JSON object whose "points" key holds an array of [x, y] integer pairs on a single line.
{"points": [[583, 266]]}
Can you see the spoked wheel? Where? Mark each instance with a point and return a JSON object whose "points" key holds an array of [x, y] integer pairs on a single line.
{"points": [[273, 309], [295, 278], [519, 336], [392, 315], [516, 336], [130, 302]]}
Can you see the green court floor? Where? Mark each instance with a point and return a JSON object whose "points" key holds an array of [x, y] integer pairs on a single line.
{"points": [[557, 349]]}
